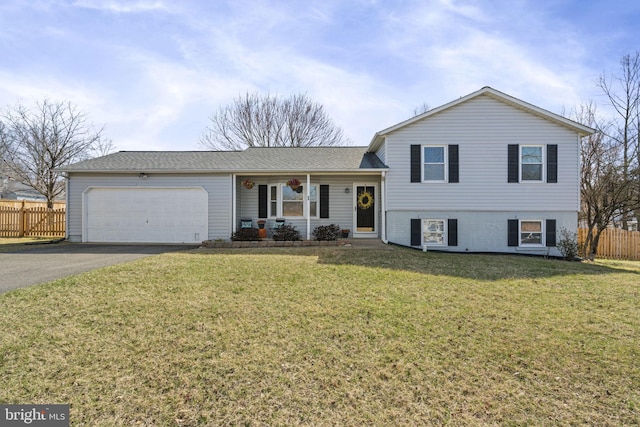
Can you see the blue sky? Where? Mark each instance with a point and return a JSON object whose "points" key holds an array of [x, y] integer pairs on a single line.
{"points": [[153, 71]]}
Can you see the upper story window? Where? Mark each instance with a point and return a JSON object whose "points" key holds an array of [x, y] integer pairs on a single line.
{"points": [[531, 163], [434, 163]]}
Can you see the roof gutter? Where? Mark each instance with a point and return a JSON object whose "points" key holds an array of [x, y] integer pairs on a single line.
{"points": [[234, 171]]}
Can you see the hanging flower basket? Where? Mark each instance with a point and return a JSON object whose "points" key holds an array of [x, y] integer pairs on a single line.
{"points": [[365, 200], [248, 184], [294, 183]]}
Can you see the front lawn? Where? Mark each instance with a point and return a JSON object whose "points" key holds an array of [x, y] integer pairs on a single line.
{"points": [[330, 336]]}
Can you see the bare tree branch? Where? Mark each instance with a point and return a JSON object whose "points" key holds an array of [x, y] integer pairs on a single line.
{"points": [[102, 147], [623, 94], [41, 139], [604, 191], [255, 120], [420, 109]]}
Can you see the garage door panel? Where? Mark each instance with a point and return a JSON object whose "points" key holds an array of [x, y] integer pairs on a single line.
{"points": [[146, 215]]}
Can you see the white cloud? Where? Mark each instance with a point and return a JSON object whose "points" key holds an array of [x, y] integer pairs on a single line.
{"points": [[122, 6], [33, 87], [154, 78]]}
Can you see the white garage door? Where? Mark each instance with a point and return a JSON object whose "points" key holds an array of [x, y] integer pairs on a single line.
{"points": [[146, 215]]}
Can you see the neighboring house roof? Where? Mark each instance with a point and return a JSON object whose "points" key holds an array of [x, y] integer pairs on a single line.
{"points": [[14, 190], [256, 160], [582, 130]]}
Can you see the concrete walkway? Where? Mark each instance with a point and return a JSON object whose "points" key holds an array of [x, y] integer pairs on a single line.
{"points": [[267, 243]]}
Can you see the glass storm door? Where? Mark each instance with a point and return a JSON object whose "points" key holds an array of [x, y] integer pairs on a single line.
{"points": [[365, 209]]}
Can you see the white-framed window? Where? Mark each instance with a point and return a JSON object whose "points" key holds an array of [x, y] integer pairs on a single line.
{"points": [[531, 233], [531, 163], [434, 163], [286, 202], [434, 232], [273, 201]]}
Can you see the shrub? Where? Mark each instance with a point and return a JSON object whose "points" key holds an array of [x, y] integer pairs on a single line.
{"points": [[568, 244], [286, 232], [246, 234], [327, 232]]}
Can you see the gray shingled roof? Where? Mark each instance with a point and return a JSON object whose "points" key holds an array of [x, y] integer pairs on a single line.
{"points": [[306, 159]]}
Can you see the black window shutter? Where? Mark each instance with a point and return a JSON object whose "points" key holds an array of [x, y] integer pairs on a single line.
{"points": [[453, 164], [550, 232], [324, 201], [415, 163], [552, 163], [262, 201], [416, 232], [513, 233], [513, 165], [452, 232]]}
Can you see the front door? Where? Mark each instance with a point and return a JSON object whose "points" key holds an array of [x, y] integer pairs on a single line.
{"points": [[365, 210]]}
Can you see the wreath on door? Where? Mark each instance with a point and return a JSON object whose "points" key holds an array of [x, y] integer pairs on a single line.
{"points": [[365, 200]]}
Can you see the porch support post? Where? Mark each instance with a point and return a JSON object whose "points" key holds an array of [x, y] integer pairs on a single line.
{"points": [[233, 204], [383, 207], [307, 207], [66, 206]]}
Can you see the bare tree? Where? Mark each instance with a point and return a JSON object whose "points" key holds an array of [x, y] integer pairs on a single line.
{"points": [[623, 94], [604, 191], [4, 178], [102, 147], [420, 109], [255, 120], [41, 139], [3, 146]]}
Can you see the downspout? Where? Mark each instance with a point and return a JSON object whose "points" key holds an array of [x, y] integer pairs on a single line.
{"points": [[307, 207], [383, 206], [579, 180]]}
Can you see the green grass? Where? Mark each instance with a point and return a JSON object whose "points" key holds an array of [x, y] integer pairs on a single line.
{"points": [[330, 336]]}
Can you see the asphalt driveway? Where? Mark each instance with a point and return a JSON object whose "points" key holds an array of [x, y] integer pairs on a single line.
{"points": [[43, 263]]}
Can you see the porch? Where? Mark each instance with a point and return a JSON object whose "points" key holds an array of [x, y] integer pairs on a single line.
{"points": [[353, 202]]}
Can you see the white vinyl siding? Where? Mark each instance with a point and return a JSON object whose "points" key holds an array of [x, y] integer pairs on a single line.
{"points": [[485, 231], [483, 128], [381, 153], [218, 187]]}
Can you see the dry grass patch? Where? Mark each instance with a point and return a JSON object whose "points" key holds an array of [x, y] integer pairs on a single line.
{"points": [[329, 336], [13, 243]]}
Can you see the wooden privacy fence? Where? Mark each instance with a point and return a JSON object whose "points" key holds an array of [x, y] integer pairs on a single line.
{"points": [[60, 204], [40, 222], [615, 243]]}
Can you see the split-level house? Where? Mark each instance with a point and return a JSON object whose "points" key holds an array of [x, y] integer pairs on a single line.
{"points": [[484, 173]]}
